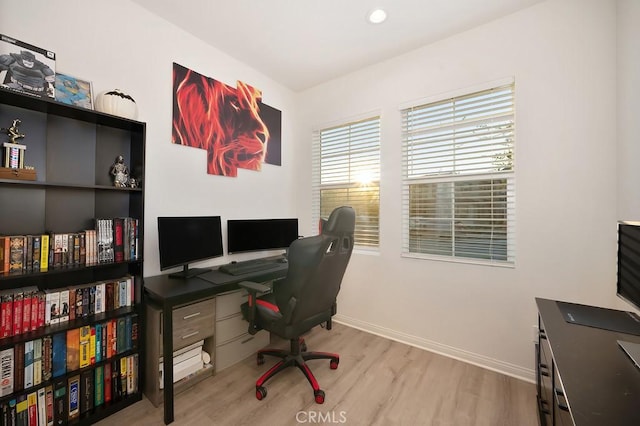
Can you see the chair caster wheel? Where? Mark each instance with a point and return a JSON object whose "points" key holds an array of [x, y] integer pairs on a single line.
{"points": [[319, 395], [260, 359], [334, 363], [261, 393]]}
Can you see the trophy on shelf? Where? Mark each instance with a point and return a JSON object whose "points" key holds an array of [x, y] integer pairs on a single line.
{"points": [[13, 160]]}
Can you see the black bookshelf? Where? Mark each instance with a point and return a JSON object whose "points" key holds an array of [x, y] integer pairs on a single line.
{"points": [[72, 149]]}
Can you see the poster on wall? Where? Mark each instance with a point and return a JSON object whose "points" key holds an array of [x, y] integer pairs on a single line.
{"points": [[26, 68], [232, 124]]}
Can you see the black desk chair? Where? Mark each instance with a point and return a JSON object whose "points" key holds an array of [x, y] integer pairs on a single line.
{"points": [[305, 298]]}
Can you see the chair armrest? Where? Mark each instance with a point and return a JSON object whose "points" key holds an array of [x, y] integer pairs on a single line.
{"points": [[254, 288]]}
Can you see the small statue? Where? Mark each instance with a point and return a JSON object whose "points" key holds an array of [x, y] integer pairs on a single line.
{"points": [[120, 173], [13, 132]]}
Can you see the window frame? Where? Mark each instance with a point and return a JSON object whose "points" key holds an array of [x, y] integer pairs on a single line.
{"points": [[375, 118], [455, 176]]}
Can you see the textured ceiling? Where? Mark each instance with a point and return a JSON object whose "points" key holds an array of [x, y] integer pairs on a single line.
{"points": [[302, 43]]}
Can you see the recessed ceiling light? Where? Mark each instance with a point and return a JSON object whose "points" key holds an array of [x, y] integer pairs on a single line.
{"points": [[377, 16]]}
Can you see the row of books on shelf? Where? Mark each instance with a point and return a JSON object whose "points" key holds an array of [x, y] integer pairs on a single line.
{"points": [[112, 240], [32, 363], [27, 309], [67, 399]]}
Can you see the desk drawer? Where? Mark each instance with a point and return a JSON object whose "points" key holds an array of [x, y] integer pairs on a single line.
{"points": [[229, 304], [193, 322], [240, 348], [230, 328]]}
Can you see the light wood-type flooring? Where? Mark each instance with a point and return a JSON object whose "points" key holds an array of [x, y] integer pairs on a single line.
{"points": [[378, 382]]}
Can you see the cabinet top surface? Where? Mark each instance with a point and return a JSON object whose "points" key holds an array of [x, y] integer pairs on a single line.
{"points": [[601, 384]]}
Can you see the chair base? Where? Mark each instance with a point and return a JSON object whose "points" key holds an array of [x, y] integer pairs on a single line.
{"points": [[294, 358]]}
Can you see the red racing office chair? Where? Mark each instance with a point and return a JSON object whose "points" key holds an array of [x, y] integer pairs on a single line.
{"points": [[305, 298]]}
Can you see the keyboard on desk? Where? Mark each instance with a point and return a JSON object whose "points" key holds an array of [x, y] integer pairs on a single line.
{"points": [[249, 266]]}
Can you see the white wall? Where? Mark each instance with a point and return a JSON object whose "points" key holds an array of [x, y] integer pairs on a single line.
{"points": [[628, 109], [562, 54], [118, 44]]}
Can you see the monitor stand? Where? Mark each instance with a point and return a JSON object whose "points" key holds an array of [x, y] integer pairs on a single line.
{"points": [[188, 272]]}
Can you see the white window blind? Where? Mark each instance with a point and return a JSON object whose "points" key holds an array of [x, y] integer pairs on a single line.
{"points": [[346, 171], [458, 195]]}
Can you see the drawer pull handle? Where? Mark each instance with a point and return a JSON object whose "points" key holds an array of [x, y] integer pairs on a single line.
{"points": [[186, 336], [248, 340], [191, 316], [561, 404]]}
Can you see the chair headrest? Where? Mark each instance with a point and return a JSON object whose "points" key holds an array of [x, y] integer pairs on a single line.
{"points": [[341, 220]]}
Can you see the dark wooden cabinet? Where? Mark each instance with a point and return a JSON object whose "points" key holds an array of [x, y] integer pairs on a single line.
{"points": [[583, 377], [72, 150]]}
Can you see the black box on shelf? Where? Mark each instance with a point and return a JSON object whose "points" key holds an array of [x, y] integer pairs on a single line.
{"points": [[26, 68]]}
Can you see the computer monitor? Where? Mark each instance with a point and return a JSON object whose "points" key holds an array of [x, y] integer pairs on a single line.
{"points": [[245, 235], [183, 240], [628, 282]]}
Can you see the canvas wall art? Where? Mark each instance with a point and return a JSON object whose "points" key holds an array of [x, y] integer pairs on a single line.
{"points": [[232, 124]]}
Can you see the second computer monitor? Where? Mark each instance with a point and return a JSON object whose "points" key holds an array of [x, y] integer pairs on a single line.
{"points": [[260, 234]]}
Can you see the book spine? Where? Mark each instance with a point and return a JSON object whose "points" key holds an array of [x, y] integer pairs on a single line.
{"points": [[6, 317], [64, 306], [59, 357], [28, 364], [99, 385], [37, 243], [74, 397], [44, 252], [49, 399], [42, 407], [47, 354], [37, 362], [85, 336], [92, 345], [32, 401], [87, 391], [17, 253], [60, 404], [107, 382], [28, 248], [18, 368], [73, 349], [6, 372], [35, 309], [18, 302], [118, 239], [26, 311]]}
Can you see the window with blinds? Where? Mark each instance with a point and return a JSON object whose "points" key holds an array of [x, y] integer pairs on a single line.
{"points": [[458, 197], [346, 171]]}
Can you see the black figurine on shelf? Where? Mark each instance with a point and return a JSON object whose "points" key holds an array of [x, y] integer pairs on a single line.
{"points": [[120, 173]]}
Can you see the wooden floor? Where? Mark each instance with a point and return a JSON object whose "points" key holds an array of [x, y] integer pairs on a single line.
{"points": [[378, 382]]}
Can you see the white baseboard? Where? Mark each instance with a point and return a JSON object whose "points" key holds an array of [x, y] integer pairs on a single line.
{"points": [[496, 365]]}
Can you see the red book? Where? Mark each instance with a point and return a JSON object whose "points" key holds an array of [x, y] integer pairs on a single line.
{"points": [[118, 239], [17, 312], [32, 401], [6, 316], [35, 310], [26, 311], [107, 382], [42, 304]]}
